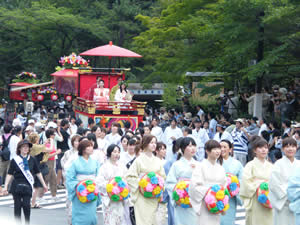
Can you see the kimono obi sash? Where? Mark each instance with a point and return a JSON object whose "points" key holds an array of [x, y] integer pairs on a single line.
{"points": [[81, 177]]}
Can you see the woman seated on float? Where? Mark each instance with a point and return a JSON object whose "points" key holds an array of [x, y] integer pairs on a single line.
{"points": [[101, 94], [122, 94]]}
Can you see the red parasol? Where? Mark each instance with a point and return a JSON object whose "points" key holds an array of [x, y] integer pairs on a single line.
{"points": [[111, 51]]}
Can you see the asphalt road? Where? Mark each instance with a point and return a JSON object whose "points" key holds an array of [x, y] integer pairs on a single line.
{"points": [[38, 216]]}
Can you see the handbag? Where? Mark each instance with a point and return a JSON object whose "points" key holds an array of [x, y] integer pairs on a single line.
{"points": [[5, 153], [44, 169], [23, 189]]}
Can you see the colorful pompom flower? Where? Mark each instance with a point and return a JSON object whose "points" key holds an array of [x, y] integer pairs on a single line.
{"points": [[262, 193], [181, 194], [117, 189], [232, 184], [151, 185], [87, 191], [217, 199], [73, 61]]}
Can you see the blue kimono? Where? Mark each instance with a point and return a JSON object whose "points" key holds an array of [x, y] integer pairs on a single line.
{"points": [[82, 213], [166, 197], [234, 167], [181, 169], [293, 193]]}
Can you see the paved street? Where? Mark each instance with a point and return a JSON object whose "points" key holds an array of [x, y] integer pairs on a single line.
{"points": [[54, 213]]}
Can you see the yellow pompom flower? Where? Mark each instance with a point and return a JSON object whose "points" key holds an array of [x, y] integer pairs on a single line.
{"points": [[186, 201], [220, 195], [83, 199], [156, 190], [181, 185], [181, 200], [226, 207], [267, 193], [109, 188], [90, 188], [124, 193], [143, 183], [234, 179]]}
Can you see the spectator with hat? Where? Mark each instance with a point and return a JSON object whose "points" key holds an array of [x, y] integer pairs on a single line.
{"points": [[222, 134]]}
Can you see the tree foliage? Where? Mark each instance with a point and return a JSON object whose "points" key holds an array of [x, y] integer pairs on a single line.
{"points": [[222, 36]]}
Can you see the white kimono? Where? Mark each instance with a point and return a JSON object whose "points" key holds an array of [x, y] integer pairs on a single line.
{"points": [[157, 132], [278, 185], [113, 139], [114, 213], [170, 132], [200, 137], [204, 176]]}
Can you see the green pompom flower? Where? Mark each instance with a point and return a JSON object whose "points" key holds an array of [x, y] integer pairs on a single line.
{"points": [[115, 198], [175, 196], [151, 174], [118, 179], [88, 182], [227, 192], [214, 210], [147, 194], [264, 186]]}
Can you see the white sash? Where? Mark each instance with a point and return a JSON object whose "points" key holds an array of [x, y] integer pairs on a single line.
{"points": [[26, 173]]}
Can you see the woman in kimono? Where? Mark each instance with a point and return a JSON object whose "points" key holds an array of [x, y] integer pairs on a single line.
{"points": [[171, 133], [293, 192], [283, 168], [167, 167], [81, 169], [144, 208], [66, 162], [180, 170], [233, 166], [256, 171], [122, 94], [101, 94], [206, 174], [114, 213]]}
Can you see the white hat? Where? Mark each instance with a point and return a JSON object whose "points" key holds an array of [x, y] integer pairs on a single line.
{"points": [[230, 93], [39, 124], [239, 120], [51, 124], [31, 121], [16, 122], [29, 128]]}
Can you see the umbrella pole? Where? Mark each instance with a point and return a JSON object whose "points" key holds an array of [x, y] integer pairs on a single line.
{"points": [[109, 68]]}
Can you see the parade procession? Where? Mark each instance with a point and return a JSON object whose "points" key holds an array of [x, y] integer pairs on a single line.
{"points": [[150, 112]]}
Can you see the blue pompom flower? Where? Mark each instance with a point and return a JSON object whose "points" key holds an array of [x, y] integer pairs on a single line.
{"points": [[154, 180], [220, 205], [215, 188], [122, 184], [233, 186], [262, 198], [80, 188], [90, 197], [185, 206]]}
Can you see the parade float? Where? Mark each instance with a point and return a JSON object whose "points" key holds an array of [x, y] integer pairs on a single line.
{"points": [[91, 90]]}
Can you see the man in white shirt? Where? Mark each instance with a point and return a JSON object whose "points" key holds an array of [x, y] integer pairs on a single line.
{"points": [[73, 127], [263, 126], [201, 137], [156, 130]]}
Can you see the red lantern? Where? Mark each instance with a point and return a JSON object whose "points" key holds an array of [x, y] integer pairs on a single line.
{"points": [[54, 97], [40, 97], [68, 98]]}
